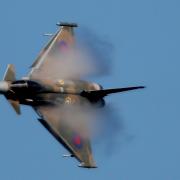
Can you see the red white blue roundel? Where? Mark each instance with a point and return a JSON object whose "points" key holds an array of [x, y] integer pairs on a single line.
{"points": [[62, 45], [77, 141]]}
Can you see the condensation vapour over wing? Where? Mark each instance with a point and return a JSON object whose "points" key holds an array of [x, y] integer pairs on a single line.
{"points": [[98, 50], [108, 126], [91, 56]]}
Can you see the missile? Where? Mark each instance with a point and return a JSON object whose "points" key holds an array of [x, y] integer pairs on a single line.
{"points": [[68, 155]]}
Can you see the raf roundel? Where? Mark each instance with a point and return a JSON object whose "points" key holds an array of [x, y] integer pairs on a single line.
{"points": [[77, 141], [62, 45]]}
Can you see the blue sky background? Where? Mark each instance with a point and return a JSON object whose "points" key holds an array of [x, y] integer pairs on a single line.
{"points": [[146, 38]]}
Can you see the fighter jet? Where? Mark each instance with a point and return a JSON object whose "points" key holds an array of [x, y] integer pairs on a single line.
{"points": [[50, 95]]}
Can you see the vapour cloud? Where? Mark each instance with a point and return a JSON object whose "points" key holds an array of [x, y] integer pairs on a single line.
{"points": [[90, 57]]}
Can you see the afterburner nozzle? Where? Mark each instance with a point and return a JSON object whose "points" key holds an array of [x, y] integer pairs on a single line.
{"points": [[4, 87]]}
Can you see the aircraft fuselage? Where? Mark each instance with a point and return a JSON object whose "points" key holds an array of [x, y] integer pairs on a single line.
{"points": [[37, 92]]}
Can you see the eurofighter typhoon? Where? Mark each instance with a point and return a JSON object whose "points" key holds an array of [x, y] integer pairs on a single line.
{"points": [[58, 95]]}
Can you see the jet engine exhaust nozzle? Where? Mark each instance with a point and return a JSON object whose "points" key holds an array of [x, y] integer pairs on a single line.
{"points": [[4, 87]]}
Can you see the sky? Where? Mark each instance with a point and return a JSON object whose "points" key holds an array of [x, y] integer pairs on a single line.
{"points": [[146, 41]]}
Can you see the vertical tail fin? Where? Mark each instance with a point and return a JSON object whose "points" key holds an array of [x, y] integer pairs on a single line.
{"points": [[16, 106], [10, 73], [10, 76]]}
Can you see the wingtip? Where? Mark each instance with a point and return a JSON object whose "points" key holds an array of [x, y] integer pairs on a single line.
{"points": [[83, 165], [67, 24]]}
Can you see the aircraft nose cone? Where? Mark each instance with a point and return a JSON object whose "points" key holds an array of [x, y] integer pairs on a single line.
{"points": [[4, 87]]}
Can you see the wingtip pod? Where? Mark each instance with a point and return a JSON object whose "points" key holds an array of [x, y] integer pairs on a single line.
{"points": [[83, 165], [87, 163], [67, 24]]}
